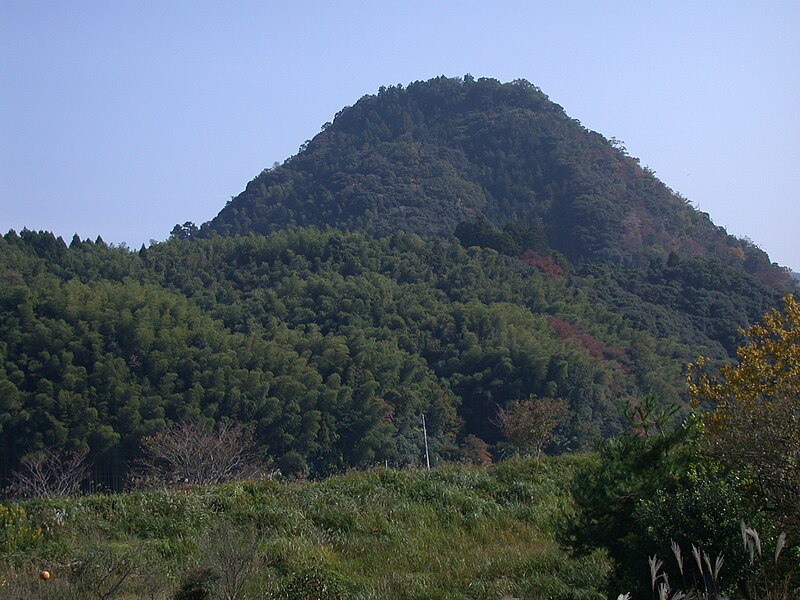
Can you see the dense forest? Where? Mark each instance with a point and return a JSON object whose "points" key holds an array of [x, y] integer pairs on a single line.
{"points": [[334, 344], [438, 153], [455, 269], [443, 249]]}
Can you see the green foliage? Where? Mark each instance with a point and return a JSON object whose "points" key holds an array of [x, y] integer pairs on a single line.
{"points": [[758, 572], [482, 233], [17, 532], [704, 509], [292, 464], [453, 532], [573, 274], [647, 495], [327, 358], [329, 344], [630, 469], [315, 582], [498, 164]]}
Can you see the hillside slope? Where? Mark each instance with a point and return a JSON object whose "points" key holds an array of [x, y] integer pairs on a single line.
{"points": [[496, 250], [438, 153], [333, 344], [455, 532]]}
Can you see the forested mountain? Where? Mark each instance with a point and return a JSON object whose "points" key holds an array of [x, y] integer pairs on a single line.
{"points": [[443, 249], [438, 153]]}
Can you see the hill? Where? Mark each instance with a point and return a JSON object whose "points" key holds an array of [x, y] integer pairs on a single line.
{"points": [[443, 152], [443, 249], [332, 345]]}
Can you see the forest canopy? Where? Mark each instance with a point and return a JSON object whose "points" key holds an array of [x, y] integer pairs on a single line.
{"points": [[332, 344]]}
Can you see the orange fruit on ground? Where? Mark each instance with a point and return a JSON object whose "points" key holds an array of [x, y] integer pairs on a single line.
{"points": [[45, 575]]}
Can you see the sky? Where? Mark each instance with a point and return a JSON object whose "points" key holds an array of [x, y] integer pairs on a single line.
{"points": [[123, 118]]}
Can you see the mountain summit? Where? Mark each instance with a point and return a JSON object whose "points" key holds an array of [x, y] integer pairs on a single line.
{"points": [[451, 151]]}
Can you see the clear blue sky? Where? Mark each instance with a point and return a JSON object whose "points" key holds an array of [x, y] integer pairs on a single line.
{"points": [[123, 118]]}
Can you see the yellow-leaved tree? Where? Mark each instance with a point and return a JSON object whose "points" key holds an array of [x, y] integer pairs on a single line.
{"points": [[754, 419]]}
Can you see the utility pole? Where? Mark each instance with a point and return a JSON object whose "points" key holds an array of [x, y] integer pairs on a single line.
{"points": [[425, 433]]}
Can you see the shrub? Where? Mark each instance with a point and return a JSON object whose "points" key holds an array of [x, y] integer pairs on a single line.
{"points": [[292, 464], [755, 422], [16, 531], [630, 468], [702, 575], [46, 474], [315, 582], [528, 424], [197, 585], [190, 453]]}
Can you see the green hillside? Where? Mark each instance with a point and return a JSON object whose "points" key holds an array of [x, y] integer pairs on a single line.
{"points": [[334, 344], [443, 249], [452, 533], [459, 250], [438, 153]]}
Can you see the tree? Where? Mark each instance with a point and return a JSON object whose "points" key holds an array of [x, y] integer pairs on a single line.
{"points": [[608, 491], [185, 231], [647, 415], [754, 421], [194, 454], [46, 474], [475, 451], [528, 424]]}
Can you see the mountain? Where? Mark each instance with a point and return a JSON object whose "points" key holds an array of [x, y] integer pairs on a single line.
{"points": [[448, 151], [443, 249]]}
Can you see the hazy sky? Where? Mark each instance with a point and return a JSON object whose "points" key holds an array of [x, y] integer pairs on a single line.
{"points": [[124, 118]]}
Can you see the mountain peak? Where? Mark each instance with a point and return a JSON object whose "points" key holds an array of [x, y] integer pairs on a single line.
{"points": [[435, 154]]}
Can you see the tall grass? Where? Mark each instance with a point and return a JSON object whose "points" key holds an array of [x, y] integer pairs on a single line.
{"points": [[454, 532], [765, 580]]}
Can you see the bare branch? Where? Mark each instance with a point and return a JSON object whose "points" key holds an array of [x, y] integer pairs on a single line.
{"points": [[192, 454], [46, 474]]}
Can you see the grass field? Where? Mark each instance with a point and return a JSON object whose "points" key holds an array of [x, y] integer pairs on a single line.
{"points": [[454, 532]]}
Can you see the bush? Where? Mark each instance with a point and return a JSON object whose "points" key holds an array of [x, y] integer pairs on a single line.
{"points": [[630, 469], [16, 531], [705, 509], [317, 583], [292, 464], [197, 585]]}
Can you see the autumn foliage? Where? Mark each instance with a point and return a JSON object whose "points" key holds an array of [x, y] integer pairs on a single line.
{"points": [[576, 333], [545, 264], [528, 424], [754, 423]]}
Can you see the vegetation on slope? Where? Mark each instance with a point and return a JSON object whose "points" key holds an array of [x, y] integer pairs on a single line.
{"points": [[577, 526], [442, 152], [577, 275], [455, 532], [724, 484], [573, 280], [334, 344]]}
